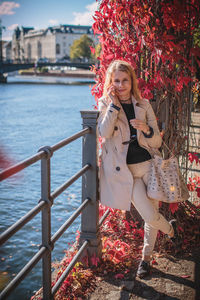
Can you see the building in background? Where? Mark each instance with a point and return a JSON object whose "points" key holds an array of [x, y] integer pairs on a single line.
{"points": [[18, 50], [51, 44], [7, 51]]}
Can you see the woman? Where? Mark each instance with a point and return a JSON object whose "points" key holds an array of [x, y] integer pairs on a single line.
{"points": [[129, 131]]}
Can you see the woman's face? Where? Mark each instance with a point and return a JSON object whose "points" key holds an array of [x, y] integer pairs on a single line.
{"points": [[122, 83]]}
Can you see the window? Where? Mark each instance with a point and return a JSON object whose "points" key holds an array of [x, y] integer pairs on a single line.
{"points": [[39, 50], [29, 51], [57, 48]]}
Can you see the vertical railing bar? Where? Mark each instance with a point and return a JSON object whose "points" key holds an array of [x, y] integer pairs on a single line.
{"points": [[90, 216], [46, 222]]}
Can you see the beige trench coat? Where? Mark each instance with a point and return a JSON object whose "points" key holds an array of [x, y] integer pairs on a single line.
{"points": [[116, 181]]}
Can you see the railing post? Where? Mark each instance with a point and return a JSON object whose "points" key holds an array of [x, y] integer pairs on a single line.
{"points": [[46, 222], [90, 215]]}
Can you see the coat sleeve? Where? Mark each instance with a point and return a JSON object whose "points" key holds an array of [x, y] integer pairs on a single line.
{"points": [[107, 119], [155, 141]]}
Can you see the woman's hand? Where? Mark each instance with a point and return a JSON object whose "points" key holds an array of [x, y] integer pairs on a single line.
{"points": [[113, 95], [141, 125]]}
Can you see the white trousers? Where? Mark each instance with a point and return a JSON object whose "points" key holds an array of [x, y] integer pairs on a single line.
{"points": [[147, 208]]}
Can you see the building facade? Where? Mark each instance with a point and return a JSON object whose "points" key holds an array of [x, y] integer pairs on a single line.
{"points": [[52, 43], [7, 51]]}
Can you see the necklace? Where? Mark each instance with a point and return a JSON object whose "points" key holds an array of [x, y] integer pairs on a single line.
{"points": [[125, 101]]}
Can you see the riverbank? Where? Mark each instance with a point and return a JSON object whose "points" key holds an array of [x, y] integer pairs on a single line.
{"points": [[78, 73]]}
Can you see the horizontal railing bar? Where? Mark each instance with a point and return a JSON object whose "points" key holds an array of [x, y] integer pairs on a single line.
{"points": [[33, 159], [65, 185], [21, 222], [22, 165], [70, 139], [22, 274], [71, 219], [195, 126], [69, 268], [190, 169], [194, 147], [104, 217]]}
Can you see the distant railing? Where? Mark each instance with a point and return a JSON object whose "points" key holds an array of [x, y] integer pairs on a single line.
{"points": [[89, 236], [6, 67]]}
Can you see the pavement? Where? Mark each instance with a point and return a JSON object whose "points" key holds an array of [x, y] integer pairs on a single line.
{"points": [[172, 278]]}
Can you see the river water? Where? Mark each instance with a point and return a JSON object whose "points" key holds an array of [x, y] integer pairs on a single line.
{"points": [[35, 112]]}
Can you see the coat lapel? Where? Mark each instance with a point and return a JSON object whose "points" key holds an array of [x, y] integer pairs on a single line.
{"points": [[139, 114], [124, 124], [139, 111], [122, 115]]}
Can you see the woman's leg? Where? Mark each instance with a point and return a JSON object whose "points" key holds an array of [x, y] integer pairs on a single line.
{"points": [[150, 233], [147, 208]]}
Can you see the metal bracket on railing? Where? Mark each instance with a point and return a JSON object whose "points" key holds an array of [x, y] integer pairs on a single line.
{"points": [[48, 151], [49, 247], [90, 128], [49, 201]]}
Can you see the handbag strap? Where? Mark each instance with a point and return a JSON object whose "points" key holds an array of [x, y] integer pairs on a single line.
{"points": [[153, 152], [168, 148]]}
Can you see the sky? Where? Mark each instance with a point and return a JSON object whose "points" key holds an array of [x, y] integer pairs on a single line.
{"points": [[44, 13]]}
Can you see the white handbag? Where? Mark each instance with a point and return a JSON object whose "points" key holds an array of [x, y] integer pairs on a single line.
{"points": [[165, 182]]}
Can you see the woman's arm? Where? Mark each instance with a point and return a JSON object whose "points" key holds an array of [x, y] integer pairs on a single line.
{"points": [[155, 140], [107, 118], [148, 128]]}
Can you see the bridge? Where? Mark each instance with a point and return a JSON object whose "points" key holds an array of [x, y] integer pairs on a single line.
{"points": [[6, 67]]}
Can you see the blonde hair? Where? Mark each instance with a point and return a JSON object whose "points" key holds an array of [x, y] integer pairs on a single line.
{"points": [[123, 66]]}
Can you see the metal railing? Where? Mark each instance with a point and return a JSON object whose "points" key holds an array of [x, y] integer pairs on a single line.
{"points": [[89, 237]]}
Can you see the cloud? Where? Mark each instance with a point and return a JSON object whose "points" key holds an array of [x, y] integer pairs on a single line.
{"points": [[6, 8], [12, 27], [85, 18], [53, 22]]}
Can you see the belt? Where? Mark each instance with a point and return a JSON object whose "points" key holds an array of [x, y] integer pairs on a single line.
{"points": [[132, 139]]}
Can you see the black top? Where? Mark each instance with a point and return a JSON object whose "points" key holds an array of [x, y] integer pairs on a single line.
{"points": [[136, 153]]}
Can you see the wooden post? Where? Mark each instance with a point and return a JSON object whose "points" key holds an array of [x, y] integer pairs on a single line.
{"points": [[90, 183]]}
